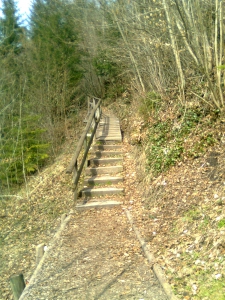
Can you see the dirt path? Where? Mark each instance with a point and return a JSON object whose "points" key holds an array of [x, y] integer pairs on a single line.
{"points": [[96, 257]]}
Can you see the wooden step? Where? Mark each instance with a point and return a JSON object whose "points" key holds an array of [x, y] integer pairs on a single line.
{"points": [[103, 180], [99, 154], [109, 138], [89, 192], [109, 125], [104, 170], [107, 147], [103, 142], [98, 204], [109, 121], [106, 151], [109, 132], [105, 161]]}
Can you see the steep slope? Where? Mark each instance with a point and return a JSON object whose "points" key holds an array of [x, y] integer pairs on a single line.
{"points": [[180, 211]]}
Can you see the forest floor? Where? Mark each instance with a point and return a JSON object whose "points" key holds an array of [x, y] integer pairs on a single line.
{"points": [[181, 215]]}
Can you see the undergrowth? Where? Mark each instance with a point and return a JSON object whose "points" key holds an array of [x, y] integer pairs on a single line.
{"points": [[174, 135]]}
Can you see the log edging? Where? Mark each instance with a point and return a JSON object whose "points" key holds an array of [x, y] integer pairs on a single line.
{"points": [[64, 221], [156, 267]]}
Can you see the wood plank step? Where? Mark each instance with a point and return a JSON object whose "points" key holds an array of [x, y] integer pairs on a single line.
{"points": [[109, 121], [115, 131], [103, 180], [109, 128], [104, 170], [106, 127], [107, 147], [108, 142], [99, 154], [105, 161], [109, 138], [109, 124], [93, 192], [98, 204]]}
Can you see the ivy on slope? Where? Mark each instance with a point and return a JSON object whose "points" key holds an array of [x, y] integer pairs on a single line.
{"points": [[174, 135]]}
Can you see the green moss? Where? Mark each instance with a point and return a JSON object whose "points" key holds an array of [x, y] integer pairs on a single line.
{"points": [[221, 223], [214, 289], [192, 214]]}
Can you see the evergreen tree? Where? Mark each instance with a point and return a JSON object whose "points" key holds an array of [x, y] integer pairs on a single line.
{"points": [[22, 150], [10, 29], [54, 35]]}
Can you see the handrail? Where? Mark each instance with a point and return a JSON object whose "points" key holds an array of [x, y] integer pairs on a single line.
{"points": [[91, 104], [93, 120]]}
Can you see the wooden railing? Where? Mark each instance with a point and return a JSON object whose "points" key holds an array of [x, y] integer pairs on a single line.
{"points": [[85, 141]]}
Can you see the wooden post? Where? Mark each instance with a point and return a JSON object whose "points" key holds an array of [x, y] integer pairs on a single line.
{"points": [[75, 194], [89, 108], [17, 284], [39, 253], [85, 142], [85, 148], [95, 126], [75, 179]]}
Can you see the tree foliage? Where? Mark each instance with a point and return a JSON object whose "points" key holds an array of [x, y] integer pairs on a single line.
{"points": [[172, 44], [10, 29], [55, 54], [39, 87], [22, 150], [171, 48]]}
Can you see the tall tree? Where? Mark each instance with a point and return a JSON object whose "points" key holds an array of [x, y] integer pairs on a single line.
{"points": [[56, 57], [10, 29]]}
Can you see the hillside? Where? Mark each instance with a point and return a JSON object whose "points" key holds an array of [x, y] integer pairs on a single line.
{"points": [[33, 215], [180, 213], [159, 67]]}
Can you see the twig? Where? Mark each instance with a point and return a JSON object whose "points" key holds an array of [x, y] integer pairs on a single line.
{"points": [[10, 196], [202, 99]]}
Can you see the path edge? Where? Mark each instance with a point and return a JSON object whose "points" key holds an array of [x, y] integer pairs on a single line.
{"points": [[156, 267], [66, 219]]}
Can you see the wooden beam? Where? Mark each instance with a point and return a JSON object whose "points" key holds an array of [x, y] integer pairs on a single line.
{"points": [[39, 253], [17, 284]]}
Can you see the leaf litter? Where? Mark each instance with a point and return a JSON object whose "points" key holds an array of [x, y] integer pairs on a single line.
{"points": [[180, 214], [34, 216]]}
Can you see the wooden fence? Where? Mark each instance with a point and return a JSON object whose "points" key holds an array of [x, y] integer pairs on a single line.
{"points": [[85, 141]]}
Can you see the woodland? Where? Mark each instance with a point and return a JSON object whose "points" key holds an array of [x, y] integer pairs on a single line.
{"points": [[169, 53], [159, 64]]}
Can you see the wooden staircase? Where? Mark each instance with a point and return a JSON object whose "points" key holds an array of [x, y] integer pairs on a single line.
{"points": [[103, 183]]}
